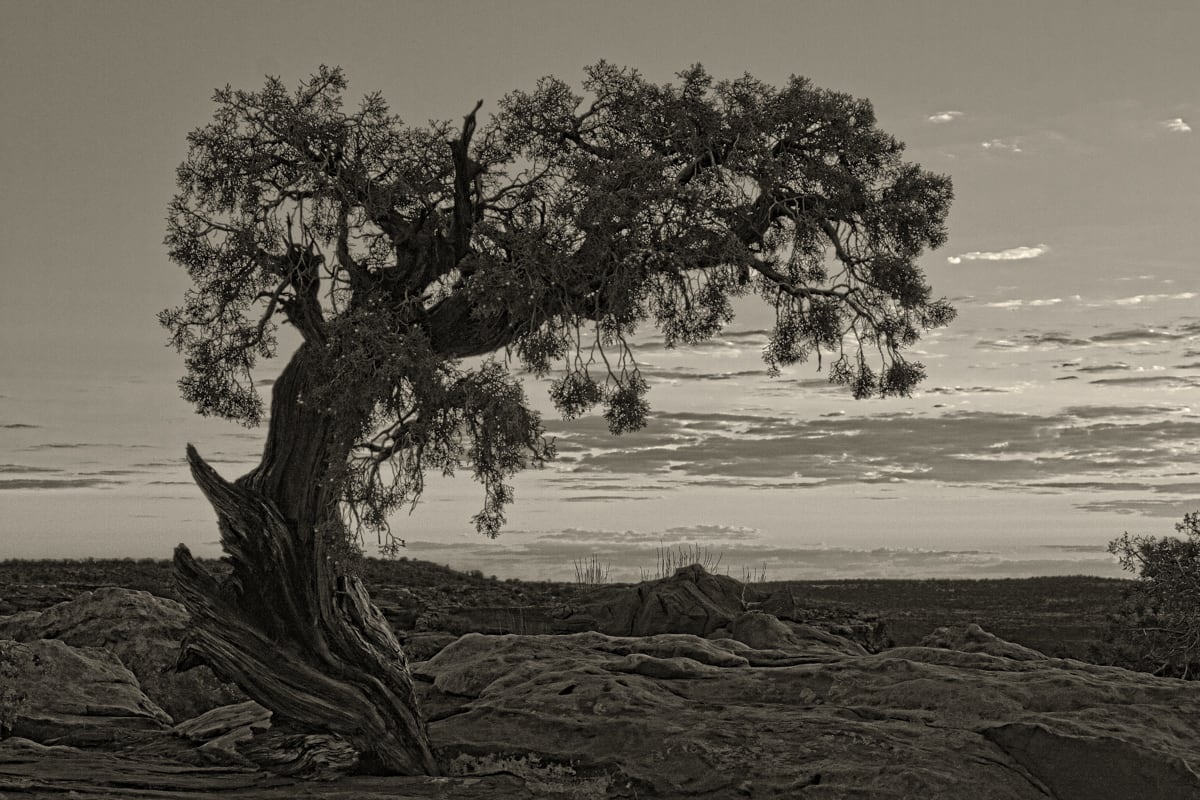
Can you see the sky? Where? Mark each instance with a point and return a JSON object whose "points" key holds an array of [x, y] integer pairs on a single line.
{"points": [[1060, 408]]}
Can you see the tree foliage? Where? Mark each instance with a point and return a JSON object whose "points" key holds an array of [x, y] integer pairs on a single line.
{"points": [[1157, 627], [418, 263]]}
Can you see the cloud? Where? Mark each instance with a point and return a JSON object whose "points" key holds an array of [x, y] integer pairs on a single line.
{"points": [[678, 534], [1099, 411], [1136, 335], [1077, 548], [1029, 340], [966, 390], [1117, 367], [603, 498], [1049, 301], [1166, 381], [996, 450], [943, 117], [1176, 125], [69, 483], [1011, 254], [1138, 299], [687, 374], [1001, 145], [1152, 508], [75, 445]]}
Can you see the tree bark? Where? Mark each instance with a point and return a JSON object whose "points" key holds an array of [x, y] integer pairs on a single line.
{"points": [[300, 639]]}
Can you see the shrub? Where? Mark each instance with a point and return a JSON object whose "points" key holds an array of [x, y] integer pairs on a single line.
{"points": [[1157, 626]]}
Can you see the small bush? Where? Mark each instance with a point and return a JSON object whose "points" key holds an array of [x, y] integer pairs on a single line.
{"points": [[1156, 628]]}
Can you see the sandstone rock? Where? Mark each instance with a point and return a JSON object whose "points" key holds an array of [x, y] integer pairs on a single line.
{"points": [[790, 605], [974, 639], [423, 645], [218, 732], [70, 695], [34, 772], [144, 630], [1077, 767], [690, 601], [763, 631], [912, 722]]}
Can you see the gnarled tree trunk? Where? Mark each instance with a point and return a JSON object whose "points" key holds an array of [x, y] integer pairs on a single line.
{"points": [[300, 639]]}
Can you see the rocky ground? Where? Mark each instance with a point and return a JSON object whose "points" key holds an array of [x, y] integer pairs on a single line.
{"points": [[694, 686]]}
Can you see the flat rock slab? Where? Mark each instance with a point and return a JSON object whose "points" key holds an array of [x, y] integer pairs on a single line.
{"points": [[33, 772], [684, 717]]}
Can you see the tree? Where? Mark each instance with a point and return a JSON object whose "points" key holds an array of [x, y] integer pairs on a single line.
{"points": [[419, 264], [1157, 626]]}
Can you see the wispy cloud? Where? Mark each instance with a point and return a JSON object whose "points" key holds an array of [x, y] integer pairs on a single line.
{"points": [[1166, 381], [40, 484], [1003, 145], [1176, 125], [997, 450], [1138, 299], [942, 117], [1048, 301], [1028, 341], [21, 468], [1011, 254]]}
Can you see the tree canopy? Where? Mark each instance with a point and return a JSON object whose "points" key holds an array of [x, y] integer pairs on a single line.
{"points": [[1156, 627], [543, 237]]}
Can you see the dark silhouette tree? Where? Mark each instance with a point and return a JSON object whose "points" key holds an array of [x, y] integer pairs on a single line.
{"points": [[407, 258]]}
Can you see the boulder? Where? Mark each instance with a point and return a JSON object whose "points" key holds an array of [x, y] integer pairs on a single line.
{"points": [[61, 694], [218, 732], [790, 605], [422, 645], [762, 631], [144, 630], [678, 716], [974, 639], [690, 601]]}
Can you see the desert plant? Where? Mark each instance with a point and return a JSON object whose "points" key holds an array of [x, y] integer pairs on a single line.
{"points": [[671, 558], [1156, 628], [590, 571], [753, 575]]}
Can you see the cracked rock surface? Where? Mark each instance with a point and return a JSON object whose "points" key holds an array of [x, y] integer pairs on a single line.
{"points": [[676, 715]]}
